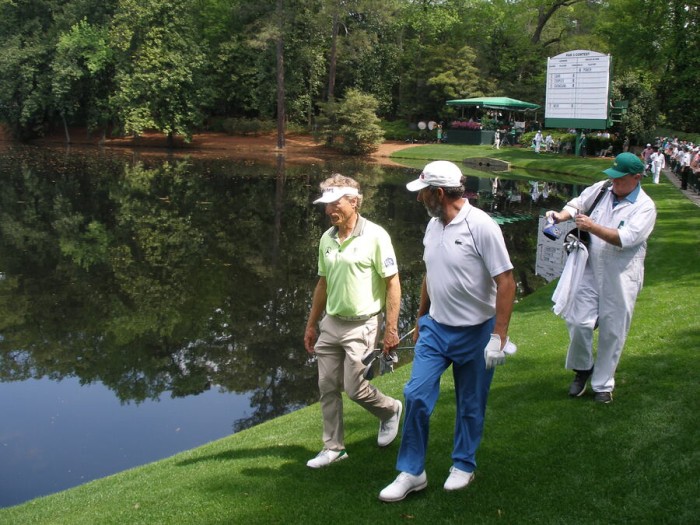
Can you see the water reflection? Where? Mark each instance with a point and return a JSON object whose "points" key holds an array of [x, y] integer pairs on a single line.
{"points": [[163, 277]]}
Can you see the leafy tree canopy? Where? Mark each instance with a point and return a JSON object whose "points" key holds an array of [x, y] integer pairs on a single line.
{"points": [[133, 65]]}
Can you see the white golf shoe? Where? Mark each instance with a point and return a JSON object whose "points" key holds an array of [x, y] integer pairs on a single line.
{"points": [[389, 428], [458, 479], [326, 457], [402, 486]]}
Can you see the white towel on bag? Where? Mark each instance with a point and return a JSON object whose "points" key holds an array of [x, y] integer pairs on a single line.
{"points": [[563, 296]]}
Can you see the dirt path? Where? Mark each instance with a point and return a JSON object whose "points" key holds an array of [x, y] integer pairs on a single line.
{"points": [[298, 148]]}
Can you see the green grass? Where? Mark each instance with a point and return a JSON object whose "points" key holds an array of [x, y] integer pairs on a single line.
{"points": [[554, 167], [545, 458]]}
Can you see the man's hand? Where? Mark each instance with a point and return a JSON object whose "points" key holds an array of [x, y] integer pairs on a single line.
{"points": [[391, 341], [310, 337], [552, 216], [585, 223], [493, 354]]}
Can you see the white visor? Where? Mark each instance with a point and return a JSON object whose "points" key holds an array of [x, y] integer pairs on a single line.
{"points": [[333, 193]]}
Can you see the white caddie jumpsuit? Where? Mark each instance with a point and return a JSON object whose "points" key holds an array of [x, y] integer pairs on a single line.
{"points": [[658, 162], [611, 281]]}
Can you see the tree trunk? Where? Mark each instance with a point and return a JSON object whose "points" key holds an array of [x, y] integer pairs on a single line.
{"points": [[545, 13], [281, 111], [65, 128], [333, 58]]}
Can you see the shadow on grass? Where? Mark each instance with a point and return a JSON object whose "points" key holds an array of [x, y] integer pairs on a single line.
{"points": [[283, 452]]}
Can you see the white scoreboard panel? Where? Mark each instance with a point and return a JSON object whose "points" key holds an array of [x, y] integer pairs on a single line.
{"points": [[578, 90]]}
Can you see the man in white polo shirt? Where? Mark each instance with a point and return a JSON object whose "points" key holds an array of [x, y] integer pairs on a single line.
{"points": [[358, 280], [465, 307]]}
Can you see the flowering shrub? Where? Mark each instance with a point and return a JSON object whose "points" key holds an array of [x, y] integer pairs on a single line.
{"points": [[465, 124]]}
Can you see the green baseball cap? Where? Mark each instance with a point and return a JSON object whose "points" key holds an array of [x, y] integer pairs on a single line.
{"points": [[625, 164]]}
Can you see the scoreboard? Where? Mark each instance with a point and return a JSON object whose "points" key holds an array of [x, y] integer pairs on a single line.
{"points": [[578, 90]]}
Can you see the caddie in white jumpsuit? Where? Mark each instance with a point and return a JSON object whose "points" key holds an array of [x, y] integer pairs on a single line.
{"points": [[619, 226], [658, 162]]}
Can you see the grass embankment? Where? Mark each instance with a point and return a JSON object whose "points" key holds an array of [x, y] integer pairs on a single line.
{"points": [[550, 166], [545, 458]]}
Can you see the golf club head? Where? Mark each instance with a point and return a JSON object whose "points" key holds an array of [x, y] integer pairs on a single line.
{"points": [[368, 374], [370, 356]]}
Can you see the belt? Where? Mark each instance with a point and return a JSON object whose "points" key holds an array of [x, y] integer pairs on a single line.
{"points": [[356, 317]]}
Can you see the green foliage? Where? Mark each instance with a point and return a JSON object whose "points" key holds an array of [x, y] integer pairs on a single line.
{"points": [[244, 126], [667, 132], [641, 117], [86, 248], [395, 129], [81, 70], [351, 125], [169, 66], [489, 124], [163, 87]]}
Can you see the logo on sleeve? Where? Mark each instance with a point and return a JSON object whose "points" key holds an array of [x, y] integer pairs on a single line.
{"points": [[388, 262]]}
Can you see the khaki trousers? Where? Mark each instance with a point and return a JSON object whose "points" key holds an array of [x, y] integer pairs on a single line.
{"points": [[339, 351]]}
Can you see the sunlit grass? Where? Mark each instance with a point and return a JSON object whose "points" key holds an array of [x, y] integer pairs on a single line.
{"points": [[564, 168]]}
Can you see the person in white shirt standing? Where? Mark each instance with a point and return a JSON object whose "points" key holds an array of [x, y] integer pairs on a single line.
{"points": [[684, 160], [549, 143], [538, 141]]}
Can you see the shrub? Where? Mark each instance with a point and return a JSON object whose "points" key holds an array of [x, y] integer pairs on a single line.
{"points": [[396, 130], [351, 125], [244, 126]]}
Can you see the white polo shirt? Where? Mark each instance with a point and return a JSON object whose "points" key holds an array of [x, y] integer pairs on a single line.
{"points": [[461, 260]]}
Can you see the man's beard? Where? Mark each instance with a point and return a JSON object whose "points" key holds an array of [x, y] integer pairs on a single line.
{"points": [[434, 210]]}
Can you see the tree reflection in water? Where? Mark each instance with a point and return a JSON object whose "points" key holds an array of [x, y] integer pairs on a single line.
{"points": [[160, 275]]}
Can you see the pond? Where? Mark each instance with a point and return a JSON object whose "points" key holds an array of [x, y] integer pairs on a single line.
{"points": [[152, 303]]}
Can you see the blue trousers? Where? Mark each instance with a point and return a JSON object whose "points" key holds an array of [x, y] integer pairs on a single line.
{"points": [[438, 347]]}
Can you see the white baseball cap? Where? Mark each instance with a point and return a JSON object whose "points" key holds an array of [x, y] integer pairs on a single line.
{"points": [[442, 173], [334, 193]]}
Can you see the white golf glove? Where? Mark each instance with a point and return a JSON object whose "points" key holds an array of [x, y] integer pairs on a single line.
{"points": [[493, 354]]}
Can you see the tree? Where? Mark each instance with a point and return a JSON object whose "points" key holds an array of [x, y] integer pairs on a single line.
{"points": [[160, 80], [545, 12], [426, 32], [27, 38], [641, 117], [279, 53], [351, 125], [360, 21], [81, 70], [169, 65]]}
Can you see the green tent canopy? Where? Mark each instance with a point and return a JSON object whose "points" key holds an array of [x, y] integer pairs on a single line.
{"points": [[503, 103]]}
